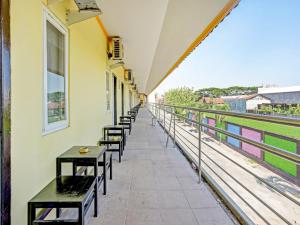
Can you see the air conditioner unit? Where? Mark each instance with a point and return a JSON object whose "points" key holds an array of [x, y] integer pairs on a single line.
{"points": [[128, 75], [134, 87], [132, 81], [116, 49], [86, 9]]}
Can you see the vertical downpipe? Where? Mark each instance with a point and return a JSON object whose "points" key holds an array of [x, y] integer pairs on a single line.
{"points": [[199, 144]]}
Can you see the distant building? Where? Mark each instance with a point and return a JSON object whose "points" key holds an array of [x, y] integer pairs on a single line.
{"points": [[254, 102], [159, 99], [210, 100], [237, 103], [274, 96], [270, 90]]}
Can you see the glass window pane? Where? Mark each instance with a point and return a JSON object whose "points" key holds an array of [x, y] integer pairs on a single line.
{"points": [[55, 50], [55, 74]]}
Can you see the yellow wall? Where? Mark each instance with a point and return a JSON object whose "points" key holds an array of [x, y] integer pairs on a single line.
{"points": [[33, 155]]}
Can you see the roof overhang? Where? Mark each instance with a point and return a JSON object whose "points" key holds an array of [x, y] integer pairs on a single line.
{"points": [[158, 34]]}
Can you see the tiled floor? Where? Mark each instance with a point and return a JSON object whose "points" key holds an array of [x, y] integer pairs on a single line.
{"points": [[155, 185]]}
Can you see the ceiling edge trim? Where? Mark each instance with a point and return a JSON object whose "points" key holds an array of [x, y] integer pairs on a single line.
{"points": [[210, 27], [101, 26]]}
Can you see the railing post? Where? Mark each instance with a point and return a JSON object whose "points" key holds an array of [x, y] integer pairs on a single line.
{"points": [[199, 144], [174, 126], [165, 118], [159, 108]]}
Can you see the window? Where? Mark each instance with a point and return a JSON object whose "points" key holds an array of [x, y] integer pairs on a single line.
{"points": [[107, 89], [55, 74]]}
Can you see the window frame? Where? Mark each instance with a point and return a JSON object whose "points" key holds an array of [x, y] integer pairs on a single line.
{"points": [[59, 125]]}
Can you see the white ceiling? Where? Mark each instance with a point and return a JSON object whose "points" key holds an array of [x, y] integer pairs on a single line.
{"points": [[156, 33]]}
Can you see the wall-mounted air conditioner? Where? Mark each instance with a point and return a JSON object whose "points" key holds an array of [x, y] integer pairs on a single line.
{"points": [[128, 75], [132, 81], [86, 9], [115, 51]]}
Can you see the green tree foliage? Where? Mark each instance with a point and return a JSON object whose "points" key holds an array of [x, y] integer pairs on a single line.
{"points": [[182, 96], [294, 110], [56, 96], [266, 109], [217, 92], [280, 110], [189, 98]]}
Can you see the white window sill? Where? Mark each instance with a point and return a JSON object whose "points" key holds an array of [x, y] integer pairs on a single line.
{"points": [[55, 129]]}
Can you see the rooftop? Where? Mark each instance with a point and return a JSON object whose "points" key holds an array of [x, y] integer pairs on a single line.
{"points": [[269, 90]]}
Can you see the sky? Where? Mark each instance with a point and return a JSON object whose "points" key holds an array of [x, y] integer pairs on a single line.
{"points": [[257, 44]]}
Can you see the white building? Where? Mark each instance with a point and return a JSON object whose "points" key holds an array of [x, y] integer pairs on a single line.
{"points": [[273, 96], [253, 103]]}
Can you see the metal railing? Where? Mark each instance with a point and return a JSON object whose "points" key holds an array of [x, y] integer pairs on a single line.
{"points": [[192, 144]]}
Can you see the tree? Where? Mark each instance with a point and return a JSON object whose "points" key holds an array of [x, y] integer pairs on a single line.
{"points": [[297, 110], [183, 96], [218, 92], [266, 109]]}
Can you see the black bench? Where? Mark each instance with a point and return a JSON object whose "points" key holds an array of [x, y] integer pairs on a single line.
{"points": [[105, 163], [126, 118], [115, 130], [64, 192], [132, 113], [92, 158], [111, 140]]}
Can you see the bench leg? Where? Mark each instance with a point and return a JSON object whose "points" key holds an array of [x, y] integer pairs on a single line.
{"points": [[74, 168], [31, 214], [58, 212], [81, 215], [120, 152], [104, 174], [121, 147], [96, 192], [124, 139], [110, 167]]}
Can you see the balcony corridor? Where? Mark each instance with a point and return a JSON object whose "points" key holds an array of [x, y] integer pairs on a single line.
{"points": [[156, 185]]}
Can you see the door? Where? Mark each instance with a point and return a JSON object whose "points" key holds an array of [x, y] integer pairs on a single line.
{"points": [[115, 110], [5, 103], [122, 97]]}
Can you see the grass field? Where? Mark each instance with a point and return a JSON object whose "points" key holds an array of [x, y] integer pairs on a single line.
{"points": [[288, 131], [284, 130]]}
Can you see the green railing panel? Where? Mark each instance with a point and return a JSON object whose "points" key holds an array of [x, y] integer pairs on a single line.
{"points": [[221, 125], [276, 161]]}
